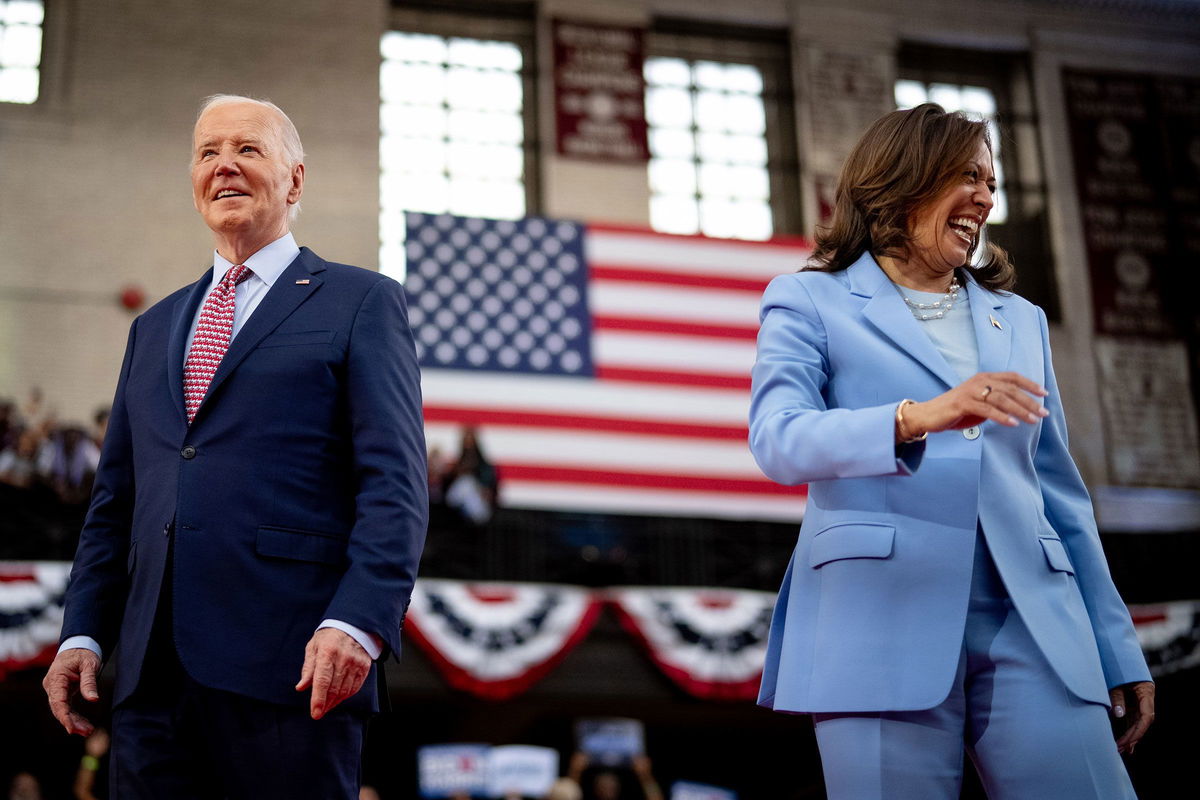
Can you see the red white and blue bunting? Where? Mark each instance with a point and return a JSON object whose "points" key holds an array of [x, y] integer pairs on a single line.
{"points": [[1169, 634], [495, 640], [31, 614], [711, 642]]}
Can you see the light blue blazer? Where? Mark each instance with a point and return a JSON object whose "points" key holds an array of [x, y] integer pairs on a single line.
{"points": [[872, 610]]}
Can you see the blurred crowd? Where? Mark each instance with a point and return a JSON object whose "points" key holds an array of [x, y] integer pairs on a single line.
{"points": [[462, 489], [47, 466], [91, 776], [584, 780], [40, 455]]}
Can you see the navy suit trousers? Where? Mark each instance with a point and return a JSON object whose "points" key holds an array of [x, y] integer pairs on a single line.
{"points": [[173, 738]]}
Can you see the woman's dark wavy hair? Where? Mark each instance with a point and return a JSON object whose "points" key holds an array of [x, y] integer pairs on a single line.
{"points": [[903, 161]]}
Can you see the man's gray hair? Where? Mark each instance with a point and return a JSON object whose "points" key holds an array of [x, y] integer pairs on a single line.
{"points": [[288, 135]]}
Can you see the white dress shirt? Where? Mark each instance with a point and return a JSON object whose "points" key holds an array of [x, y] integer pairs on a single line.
{"points": [[265, 266]]}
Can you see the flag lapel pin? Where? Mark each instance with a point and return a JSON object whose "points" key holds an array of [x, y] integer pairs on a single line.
{"points": [[305, 282]]}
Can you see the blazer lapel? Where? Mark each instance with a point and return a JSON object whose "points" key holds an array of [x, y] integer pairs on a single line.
{"points": [[177, 343], [886, 311], [284, 297], [993, 333]]}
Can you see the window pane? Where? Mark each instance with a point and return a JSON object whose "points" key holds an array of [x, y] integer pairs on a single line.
{"points": [[477, 89], [423, 121], [495, 199], [722, 162], [23, 12], [21, 46], [712, 111], [709, 75], [910, 94], [413, 155], [413, 47], [429, 192], [18, 85], [484, 160], [485, 55], [722, 181], [947, 96], [671, 143], [674, 214], [668, 108], [728, 77], [667, 72], [729, 219], [483, 126], [999, 213], [716, 180], [451, 130], [978, 100], [672, 176], [732, 149], [748, 150], [20, 50], [750, 182], [419, 84], [994, 134], [714, 147]]}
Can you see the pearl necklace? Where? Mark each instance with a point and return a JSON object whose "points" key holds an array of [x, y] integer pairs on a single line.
{"points": [[938, 308]]}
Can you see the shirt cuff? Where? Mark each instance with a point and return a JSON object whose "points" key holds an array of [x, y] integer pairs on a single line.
{"points": [[369, 641], [85, 642]]}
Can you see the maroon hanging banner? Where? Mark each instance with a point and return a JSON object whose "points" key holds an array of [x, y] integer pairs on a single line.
{"points": [[599, 92], [1136, 157]]}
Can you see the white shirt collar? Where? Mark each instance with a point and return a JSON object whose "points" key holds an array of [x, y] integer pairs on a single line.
{"points": [[267, 264]]}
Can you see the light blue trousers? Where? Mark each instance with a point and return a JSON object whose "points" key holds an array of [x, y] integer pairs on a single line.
{"points": [[1030, 738]]}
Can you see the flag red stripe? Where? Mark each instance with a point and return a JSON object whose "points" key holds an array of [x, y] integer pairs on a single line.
{"points": [[671, 327], [530, 418], [782, 242], [645, 480], [639, 275], [637, 375]]}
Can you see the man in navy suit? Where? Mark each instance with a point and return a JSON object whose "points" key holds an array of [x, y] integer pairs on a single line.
{"points": [[260, 504]]}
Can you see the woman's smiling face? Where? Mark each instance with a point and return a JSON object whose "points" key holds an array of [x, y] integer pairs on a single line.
{"points": [[944, 230]]}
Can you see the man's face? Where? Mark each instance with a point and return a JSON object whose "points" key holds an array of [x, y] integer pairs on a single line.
{"points": [[242, 183]]}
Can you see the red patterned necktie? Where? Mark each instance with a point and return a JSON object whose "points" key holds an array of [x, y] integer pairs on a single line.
{"points": [[213, 332]]}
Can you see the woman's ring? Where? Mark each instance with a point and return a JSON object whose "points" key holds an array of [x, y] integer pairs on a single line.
{"points": [[986, 391]]}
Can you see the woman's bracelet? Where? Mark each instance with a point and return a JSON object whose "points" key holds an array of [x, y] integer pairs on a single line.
{"points": [[901, 428]]}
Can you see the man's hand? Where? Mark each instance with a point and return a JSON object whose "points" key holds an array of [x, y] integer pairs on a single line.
{"points": [[72, 673], [335, 666], [1138, 717]]}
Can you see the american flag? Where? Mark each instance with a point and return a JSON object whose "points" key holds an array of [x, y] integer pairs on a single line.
{"points": [[606, 368]]}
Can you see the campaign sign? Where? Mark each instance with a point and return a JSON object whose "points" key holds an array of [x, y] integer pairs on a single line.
{"points": [[610, 741], [686, 790], [448, 769], [521, 769]]}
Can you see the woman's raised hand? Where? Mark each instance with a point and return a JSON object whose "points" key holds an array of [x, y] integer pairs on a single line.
{"points": [[1006, 397]]}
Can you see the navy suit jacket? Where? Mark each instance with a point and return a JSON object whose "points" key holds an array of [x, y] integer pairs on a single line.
{"points": [[873, 607], [298, 493]]}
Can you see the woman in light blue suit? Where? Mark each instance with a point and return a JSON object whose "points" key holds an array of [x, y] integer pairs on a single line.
{"points": [[948, 590]]}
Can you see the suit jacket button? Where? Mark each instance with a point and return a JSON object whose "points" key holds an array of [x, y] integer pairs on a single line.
{"points": [[188, 452], [971, 432]]}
